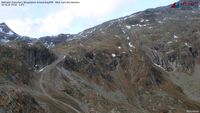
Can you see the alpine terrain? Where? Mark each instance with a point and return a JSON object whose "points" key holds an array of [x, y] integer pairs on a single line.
{"points": [[147, 62]]}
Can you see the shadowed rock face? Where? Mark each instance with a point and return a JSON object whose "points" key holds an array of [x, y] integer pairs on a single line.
{"points": [[97, 58], [94, 63], [38, 56]]}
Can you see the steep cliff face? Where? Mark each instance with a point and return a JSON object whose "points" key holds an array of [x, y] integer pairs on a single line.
{"points": [[38, 56], [18, 64]]}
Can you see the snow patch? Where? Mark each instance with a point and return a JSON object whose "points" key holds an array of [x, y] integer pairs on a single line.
{"points": [[80, 44], [142, 20], [128, 38], [10, 33], [187, 45], [123, 32], [128, 27], [138, 25], [51, 45], [1, 30], [30, 43], [117, 36], [159, 66], [92, 30], [131, 45], [42, 69], [160, 22], [80, 34], [4, 40], [171, 51], [46, 43], [169, 42], [125, 18], [175, 36], [113, 55]]}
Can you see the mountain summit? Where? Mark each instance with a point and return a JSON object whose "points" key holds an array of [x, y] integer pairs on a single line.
{"points": [[6, 34]]}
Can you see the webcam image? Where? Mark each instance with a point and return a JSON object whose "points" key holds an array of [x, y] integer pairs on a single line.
{"points": [[99, 56]]}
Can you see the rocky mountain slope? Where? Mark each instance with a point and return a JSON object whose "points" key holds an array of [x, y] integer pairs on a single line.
{"points": [[147, 62]]}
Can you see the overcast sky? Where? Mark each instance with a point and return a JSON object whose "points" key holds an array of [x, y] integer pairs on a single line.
{"points": [[41, 20]]}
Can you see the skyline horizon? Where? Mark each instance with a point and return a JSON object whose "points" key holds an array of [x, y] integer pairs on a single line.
{"points": [[75, 28]]}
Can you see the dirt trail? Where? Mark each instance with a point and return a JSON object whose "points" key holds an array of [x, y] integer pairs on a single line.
{"points": [[46, 72]]}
